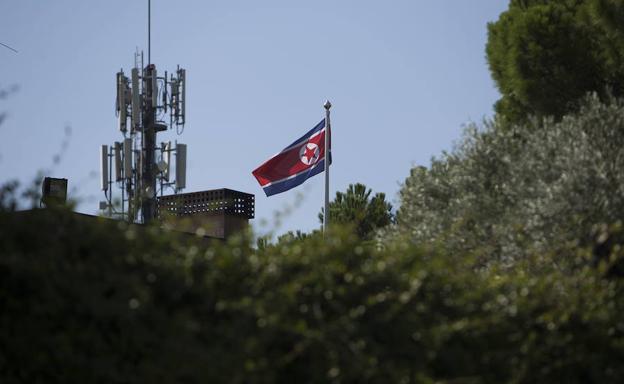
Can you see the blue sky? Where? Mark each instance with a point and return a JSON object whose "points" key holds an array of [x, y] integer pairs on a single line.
{"points": [[403, 78]]}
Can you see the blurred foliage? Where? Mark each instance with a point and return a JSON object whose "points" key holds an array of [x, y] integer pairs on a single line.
{"points": [[356, 209], [546, 55], [511, 192], [85, 299]]}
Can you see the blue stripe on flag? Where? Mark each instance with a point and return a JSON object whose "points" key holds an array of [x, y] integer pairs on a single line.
{"points": [[312, 131]]}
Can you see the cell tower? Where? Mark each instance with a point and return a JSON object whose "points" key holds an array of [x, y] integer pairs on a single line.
{"points": [[146, 105]]}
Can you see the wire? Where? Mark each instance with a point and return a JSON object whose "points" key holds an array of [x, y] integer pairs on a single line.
{"points": [[6, 46]]}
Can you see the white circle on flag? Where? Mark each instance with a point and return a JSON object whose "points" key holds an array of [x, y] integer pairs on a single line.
{"points": [[309, 154]]}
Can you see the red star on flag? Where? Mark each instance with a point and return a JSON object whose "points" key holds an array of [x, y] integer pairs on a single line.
{"points": [[310, 153]]}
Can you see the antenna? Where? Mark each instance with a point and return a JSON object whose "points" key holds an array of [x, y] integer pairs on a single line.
{"points": [[122, 102], [178, 97], [118, 169], [182, 75], [138, 169], [127, 158], [149, 32], [154, 79], [136, 100], [180, 166], [104, 167], [165, 149], [164, 93]]}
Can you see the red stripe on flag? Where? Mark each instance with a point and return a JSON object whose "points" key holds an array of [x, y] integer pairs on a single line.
{"points": [[288, 163]]}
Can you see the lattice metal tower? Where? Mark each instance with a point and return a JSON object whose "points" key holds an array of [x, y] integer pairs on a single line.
{"points": [[146, 105]]}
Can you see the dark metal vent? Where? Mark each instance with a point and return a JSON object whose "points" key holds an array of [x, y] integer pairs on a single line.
{"points": [[216, 201]]}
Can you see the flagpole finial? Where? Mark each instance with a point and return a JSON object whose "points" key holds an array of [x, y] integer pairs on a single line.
{"points": [[327, 104]]}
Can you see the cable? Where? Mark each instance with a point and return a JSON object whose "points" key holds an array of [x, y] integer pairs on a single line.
{"points": [[6, 46]]}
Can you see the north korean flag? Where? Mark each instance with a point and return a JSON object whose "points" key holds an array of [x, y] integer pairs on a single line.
{"points": [[294, 164]]}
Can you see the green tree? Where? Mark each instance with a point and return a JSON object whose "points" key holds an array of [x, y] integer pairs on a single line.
{"points": [[356, 208], [291, 236], [506, 193], [546, 55]]}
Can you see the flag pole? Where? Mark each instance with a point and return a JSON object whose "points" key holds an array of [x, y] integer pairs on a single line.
{"points": [[327, 106]]}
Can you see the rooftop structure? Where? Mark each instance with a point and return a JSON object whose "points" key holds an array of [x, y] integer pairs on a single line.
{"points": [[216, 213]]}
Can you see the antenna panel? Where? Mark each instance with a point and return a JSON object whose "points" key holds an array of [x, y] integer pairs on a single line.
{"points": [[183, 99], [127, 158], [104, 167], [164, 93], [154, 80], [175, 98], [121, 100], [165, 148], [180, 166], [123, 117], [136, 100], [119, 92], [118, 175]]}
